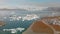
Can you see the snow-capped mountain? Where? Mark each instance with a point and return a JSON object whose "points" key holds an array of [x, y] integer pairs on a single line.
{"points": [[52, 9], [26, 7]]}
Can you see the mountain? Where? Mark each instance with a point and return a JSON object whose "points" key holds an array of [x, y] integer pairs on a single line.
{"points": [[33, 9], [52, 9], [30, 8]]}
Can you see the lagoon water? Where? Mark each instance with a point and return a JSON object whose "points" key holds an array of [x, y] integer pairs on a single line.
{"points": [[15, 24]]}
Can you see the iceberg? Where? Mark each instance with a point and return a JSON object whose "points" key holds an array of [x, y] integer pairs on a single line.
{"points": [[14, 17], [19, 17], [20, 29], [14, 30], [30, 17]]}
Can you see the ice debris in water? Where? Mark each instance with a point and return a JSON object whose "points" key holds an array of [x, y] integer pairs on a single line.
{"points": [[14, 30]]}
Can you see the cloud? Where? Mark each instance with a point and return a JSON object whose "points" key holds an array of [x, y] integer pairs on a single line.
{"points": [[28, 3], [1, 2]]}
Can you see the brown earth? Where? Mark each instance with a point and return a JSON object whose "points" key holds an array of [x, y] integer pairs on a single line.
{"points": [[39, 28], [2, 23], [56, 27]]}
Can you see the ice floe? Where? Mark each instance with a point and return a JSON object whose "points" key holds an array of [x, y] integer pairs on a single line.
{"points": [[30, 17], [14, 30]]}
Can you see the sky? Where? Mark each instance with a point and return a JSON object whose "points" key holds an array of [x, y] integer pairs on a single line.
{"points": [[27, 4], [24, 3]]}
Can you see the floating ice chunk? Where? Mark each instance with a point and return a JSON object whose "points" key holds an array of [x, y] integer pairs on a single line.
{"points": [[19, 17], [14, 30], [20, 29], [30, 17], [14, 17]]}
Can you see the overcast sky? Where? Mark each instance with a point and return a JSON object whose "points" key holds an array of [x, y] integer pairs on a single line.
{"points": [[19, 3]]}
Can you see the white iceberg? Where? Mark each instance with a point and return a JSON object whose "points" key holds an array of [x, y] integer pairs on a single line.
{"points": [[14, 17], [20, 29], [14, 30], [30, 17], [19, 17]]}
